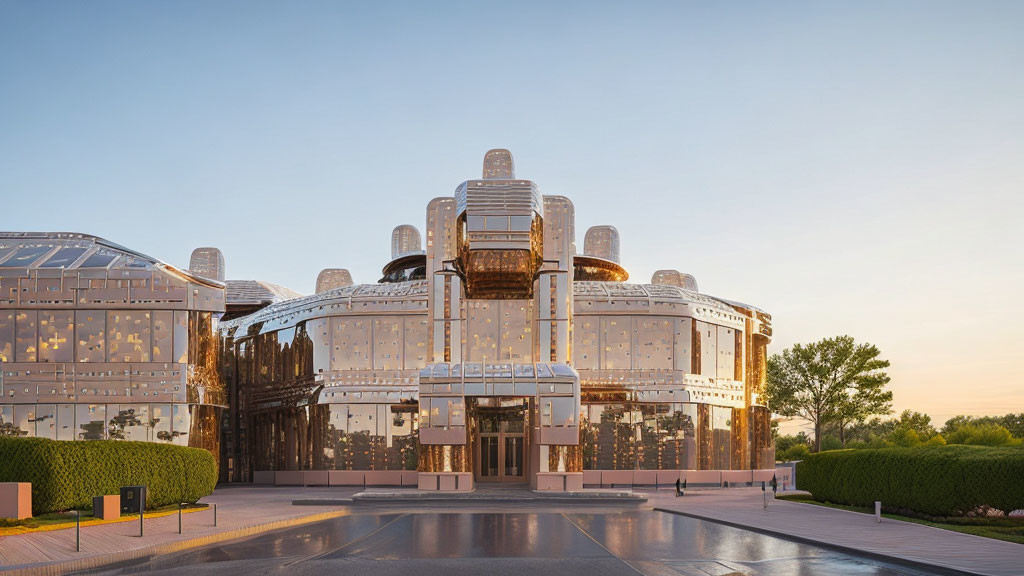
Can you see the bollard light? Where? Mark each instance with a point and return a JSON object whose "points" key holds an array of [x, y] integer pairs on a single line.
{"points": [[78, 530], [878, 512]]}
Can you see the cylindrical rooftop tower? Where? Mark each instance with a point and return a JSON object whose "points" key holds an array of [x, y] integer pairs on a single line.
{"points": [[675, 278], [331, 278], [207, 262], [602, 242], [405, 239]]}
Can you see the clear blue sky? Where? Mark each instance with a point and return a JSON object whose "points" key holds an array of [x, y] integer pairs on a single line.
{"points": [[851, 167]]}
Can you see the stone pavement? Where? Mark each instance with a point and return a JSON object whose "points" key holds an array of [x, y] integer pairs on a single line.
{"points": [[850, 531], [241, 511]]}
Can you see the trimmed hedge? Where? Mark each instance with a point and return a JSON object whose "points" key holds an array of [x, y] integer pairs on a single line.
{"points": [[66, 475], [933, 480]]}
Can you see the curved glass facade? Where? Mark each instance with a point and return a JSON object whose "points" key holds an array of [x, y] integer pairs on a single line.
{"points": [[101, 343]]}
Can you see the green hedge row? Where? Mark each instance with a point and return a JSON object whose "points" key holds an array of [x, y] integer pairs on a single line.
{"points": [[933, 480], [66, 475]]}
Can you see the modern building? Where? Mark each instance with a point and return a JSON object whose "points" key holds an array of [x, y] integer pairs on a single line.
{"points": [[100, 342], [494, 353], [498, 354]]}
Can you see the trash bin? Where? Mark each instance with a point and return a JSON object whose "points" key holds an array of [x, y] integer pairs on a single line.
{"points": [[106, 507], [133, 499]]}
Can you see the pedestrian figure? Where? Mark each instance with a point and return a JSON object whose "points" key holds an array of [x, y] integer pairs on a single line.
{"points": [[679, 487]]}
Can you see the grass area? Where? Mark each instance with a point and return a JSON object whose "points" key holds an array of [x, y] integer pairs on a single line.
{"points": [[61, 520], [1010, 530]]}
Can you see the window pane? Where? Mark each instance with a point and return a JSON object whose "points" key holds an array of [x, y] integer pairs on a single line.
{"points": [[25, 419], [92, 421], [56, 335], [26, 256], [64, 258], [721, 430], [363, 446], [160, 422], [497, 223], [439, 412], [26, 324], [7, 425], [608, 438], [562, 411], [678, 431], [402, 438], [163, 335], [7, 335], [457, 411], [425, 412], [98, 260], [128, 422], [182, 424], [520, 223], [65, 422], [128, 336], [46, 421], [91, 327], [181, 336]]}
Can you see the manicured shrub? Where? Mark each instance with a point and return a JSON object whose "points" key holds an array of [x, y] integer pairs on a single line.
{"points": [[932, 480], [66, 475]]}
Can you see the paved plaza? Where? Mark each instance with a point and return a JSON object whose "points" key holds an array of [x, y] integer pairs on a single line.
{"points": [[261, 531], [852, 531]]}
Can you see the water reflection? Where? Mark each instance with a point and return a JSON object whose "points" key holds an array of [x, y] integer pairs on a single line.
{"points": [[424, 543]]}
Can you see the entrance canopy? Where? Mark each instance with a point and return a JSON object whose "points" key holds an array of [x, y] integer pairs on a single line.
{"points": [[553, 388]]}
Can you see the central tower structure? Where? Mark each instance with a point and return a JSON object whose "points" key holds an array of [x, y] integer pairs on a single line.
{"points": [[499, 270]]}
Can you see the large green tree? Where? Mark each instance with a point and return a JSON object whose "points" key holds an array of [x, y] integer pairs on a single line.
{"points": [[832, 380]]}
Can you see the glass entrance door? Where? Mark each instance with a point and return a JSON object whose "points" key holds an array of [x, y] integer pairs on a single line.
{"points": [[501, 440], [489, 457], [513, 456]]}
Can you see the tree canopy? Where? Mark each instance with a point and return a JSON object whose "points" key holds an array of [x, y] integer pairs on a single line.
{"points": [[832, 380]]}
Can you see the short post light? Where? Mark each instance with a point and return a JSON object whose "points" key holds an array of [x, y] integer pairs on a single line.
{"points": [[179, 517], [142, 512], [878, 512], [78, 530]]}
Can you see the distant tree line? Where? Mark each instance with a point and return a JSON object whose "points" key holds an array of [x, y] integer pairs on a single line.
{"points": [[908, 430], [838, 386]]}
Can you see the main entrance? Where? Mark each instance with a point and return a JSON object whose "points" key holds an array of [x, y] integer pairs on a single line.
{"points": [[501, 452]]}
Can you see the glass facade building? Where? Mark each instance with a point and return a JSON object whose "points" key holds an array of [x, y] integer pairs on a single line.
{"points": [[100, 342], [490, 350], [497, 354]]}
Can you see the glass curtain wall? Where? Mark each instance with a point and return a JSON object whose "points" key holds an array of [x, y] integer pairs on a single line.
{"points": [[146, 422], [656, 436]]}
